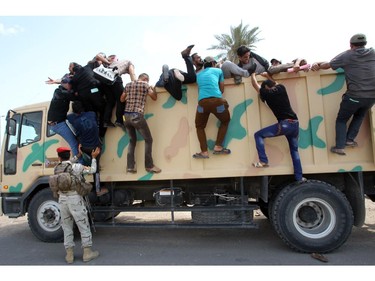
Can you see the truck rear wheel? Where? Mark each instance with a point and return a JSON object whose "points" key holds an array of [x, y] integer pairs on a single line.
{"points": [[312, 217], [44, 217]]}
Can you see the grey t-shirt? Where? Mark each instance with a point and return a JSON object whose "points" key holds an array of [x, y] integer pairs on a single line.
{"points": [[359, 68]]}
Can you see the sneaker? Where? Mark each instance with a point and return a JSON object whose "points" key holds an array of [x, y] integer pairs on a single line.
{"points": [[154, 170], [237, 79], [186, 52], [338, 151], [165, 70], [131, 170], [178, 75], [351, 144], [302, 180]]}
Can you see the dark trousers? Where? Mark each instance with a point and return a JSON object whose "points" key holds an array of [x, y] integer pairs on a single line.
{"points": [[173, 86], [190, 76], [94, 102], [136, 122], [356, 107], [112, 94]]}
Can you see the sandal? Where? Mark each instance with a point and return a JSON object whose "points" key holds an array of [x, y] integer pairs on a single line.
{"points": [[338, 151], [199, 155], [222, 151], [319, 257], [154, 170], [260, 165]]}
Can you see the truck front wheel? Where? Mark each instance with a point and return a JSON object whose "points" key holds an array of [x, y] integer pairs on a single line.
{"points": [[44, 217], [312, 217]]}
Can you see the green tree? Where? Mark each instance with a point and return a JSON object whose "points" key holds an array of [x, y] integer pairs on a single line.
{"points": [[239, 35]]}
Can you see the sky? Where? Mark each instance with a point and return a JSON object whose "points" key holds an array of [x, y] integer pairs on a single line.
{"points": [[39, 39]]}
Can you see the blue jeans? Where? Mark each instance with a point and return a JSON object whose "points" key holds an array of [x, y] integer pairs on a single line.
{"points": [[136, 122], [356, 107], [66, 133], [289, 129]]}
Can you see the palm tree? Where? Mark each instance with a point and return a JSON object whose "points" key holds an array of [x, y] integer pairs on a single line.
{"points": [[240, 35]]}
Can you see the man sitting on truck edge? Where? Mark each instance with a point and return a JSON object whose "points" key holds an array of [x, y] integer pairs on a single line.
{"points": [[276, 97], [249, 62], [73, 208], [173, 79]]}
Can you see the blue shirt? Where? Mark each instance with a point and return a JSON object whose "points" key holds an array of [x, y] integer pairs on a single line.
{"points": [[208, 83]]}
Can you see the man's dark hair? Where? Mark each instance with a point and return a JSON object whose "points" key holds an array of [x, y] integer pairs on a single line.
{"points": [[143, 75], [208, 64], [242, 50], [65, 156], [77, 107], [268, 83], [76, 66]]}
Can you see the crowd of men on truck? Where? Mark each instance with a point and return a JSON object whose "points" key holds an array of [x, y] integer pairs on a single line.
{"points": [[94, 98]]}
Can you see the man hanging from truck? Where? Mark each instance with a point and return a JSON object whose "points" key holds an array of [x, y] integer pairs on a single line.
{"points": [[276, 97]]}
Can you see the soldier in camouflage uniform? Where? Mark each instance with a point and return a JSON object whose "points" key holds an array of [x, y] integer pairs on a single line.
{"points": [[73, 208]]}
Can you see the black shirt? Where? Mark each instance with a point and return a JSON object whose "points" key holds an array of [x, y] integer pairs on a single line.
{"points": [[278, 101], [59, 105], [83, 79]]}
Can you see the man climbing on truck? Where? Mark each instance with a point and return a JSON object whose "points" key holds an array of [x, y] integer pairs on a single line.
{"points": [[276, 97]]}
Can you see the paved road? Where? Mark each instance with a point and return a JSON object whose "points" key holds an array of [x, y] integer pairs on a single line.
{"points": [[155, 246], [158, 254]]}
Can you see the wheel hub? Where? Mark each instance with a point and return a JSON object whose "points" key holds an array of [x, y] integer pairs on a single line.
{"points": [[49, 216], [309, 215]]}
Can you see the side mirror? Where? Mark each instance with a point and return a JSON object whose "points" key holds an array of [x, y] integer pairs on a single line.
{"points": [[11, 127]]}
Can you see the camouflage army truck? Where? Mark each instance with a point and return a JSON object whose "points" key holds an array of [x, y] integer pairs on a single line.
{"points": [[223, 191]]}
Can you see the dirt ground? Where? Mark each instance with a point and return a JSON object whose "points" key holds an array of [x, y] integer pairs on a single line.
{"points": [[370, 212]]}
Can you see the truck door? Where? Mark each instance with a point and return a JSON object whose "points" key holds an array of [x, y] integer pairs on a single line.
{"points": [[23, 151]]}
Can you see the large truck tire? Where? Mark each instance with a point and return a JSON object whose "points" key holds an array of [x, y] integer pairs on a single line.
{"points": [[312, 217], [44, 217], [272, 197]]}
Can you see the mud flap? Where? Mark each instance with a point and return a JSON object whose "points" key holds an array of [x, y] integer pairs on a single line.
{"points": [[354, 192]]}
